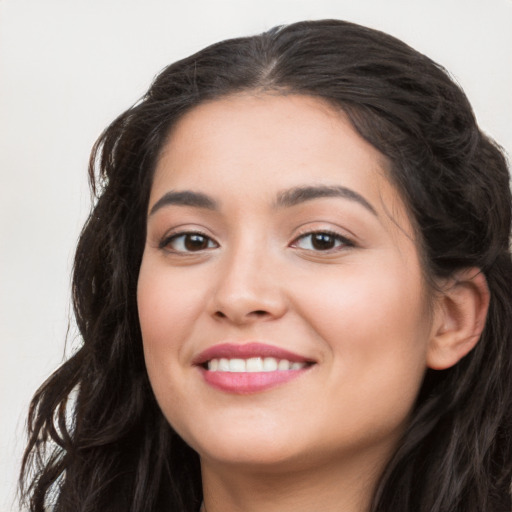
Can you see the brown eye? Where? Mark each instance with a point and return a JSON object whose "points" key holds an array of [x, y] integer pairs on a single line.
{"points": [[188, 242], [321, 241], [195, 242]]}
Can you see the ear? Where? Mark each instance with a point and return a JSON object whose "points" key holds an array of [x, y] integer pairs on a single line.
{"points": [[459, 319]]}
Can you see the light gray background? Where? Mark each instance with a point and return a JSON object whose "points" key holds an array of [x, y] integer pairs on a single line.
{"points": [[68, 67]]}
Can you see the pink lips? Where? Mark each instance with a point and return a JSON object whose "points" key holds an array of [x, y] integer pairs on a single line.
{"points": [[248, 382]]}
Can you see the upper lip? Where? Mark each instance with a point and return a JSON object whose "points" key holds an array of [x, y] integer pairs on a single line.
{"points": [[245, 351]]}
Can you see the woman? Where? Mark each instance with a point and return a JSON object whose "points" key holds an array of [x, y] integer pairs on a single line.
{"points": [[293, 291]]}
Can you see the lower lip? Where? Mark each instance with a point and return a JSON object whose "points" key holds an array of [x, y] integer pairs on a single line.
{"points": [[243, 383]]}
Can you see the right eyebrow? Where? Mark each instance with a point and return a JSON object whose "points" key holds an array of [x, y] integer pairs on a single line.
{"points": [[185, 198], [297, 195]]}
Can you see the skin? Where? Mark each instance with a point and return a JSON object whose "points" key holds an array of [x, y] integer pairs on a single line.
{"points": [[360, 310]]}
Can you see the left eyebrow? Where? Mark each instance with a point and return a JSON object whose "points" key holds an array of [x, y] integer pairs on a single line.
{"points": [[297, 195], [185, 198]]}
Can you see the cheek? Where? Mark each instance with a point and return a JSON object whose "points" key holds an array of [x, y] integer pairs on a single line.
{"points": [[378, 351], [387, 300], [375, 322], [168, 304], [168, 308]]}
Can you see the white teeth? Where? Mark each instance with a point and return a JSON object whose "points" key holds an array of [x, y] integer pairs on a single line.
{"points": [[223, 365], [269, 364], [283, 365], [237, 365], [253, 364]]}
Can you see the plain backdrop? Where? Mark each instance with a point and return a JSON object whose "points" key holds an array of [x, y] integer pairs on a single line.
{"points": [[68, 67]]}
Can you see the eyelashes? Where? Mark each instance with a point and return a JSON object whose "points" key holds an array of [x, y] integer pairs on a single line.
{"points": [[321, 241], [189, 242]]}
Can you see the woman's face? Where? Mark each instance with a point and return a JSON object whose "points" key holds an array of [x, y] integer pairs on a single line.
{"points": [[281, 300]]}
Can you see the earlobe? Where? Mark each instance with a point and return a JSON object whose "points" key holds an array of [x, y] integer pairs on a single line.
{"points": [[459, 319]]}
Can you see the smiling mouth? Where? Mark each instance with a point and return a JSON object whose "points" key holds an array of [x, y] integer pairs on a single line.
{"points": [[250, 368], [250, 357]]}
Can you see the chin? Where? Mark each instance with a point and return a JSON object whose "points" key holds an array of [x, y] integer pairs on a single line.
{"points": [[257, 457], [259, 445]]}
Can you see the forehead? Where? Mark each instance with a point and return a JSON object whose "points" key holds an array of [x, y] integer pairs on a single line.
{"points": [[276, 126], [250, 145]]}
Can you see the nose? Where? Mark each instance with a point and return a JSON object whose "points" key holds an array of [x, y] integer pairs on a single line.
{"points": [[248, 289]]}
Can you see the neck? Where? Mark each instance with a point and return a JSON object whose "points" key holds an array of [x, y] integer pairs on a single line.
{"points": [[331, 487]]}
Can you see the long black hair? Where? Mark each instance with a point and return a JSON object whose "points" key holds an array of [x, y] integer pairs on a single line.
{"points": [[97, 439]]}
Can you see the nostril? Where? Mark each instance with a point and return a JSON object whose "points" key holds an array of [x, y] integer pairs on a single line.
{"points": [[256, 313]]}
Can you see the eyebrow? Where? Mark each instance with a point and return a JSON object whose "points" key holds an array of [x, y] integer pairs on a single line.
{"points": [[299, 195], [285, 199], [185, 198]]}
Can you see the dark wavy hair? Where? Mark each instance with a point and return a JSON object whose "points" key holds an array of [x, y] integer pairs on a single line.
{"points": [[97, 438]]}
